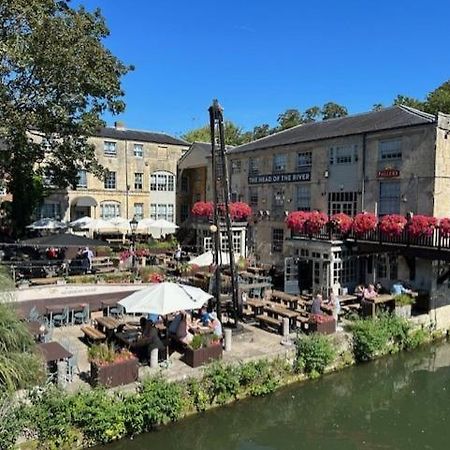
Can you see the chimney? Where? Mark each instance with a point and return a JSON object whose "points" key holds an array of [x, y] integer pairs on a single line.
{"points": [[119, 125]]}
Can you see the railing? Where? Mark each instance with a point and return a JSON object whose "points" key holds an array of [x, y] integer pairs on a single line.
{"points": [[436, 240]]}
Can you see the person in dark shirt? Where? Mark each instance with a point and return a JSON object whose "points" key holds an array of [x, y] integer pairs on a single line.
{"points": [[317, 304], [152, 339]]}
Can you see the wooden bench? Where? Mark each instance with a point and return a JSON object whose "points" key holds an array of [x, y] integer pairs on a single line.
{"points": [[92, 335], [271, 322]]}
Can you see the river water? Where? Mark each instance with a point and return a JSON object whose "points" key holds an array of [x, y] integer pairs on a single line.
{"points": [[401, 402]]}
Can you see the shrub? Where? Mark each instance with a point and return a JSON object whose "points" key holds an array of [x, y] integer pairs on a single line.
{"points": [[11, 422], [403, 300], [222, 381], [314, 353], [260, 377], [416, 338], [197, 394]]}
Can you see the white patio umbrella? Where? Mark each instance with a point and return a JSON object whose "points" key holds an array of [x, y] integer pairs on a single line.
{"points": [[144, 225], [206, 259], [120, 224], [162, 227], [82, 222], [165, 298], [47, 224], [100, 225]]}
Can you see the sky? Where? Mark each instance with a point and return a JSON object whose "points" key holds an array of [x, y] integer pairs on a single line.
{"points": [[259, 58]]}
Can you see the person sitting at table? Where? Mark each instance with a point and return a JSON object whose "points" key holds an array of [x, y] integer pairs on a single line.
{"points": [[316, 306], [380, 288], [398, 289], [335, 305], [370, 292], [183, 334], [173, 326], [203, 316], [215, 325], [154, 318], [359, 291]]}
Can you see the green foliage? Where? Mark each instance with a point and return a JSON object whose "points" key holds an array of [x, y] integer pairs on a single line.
{"points": [[439, 99], [57, 80], [145, 272], [102, 353], [314, 353], [332, 110], [416, 338], [81, 279], [197, 342], [222, 381], [409, 101], [234, 135], [197, 394], [259, 377], [403, 300], [11, 422], [290, 118]]}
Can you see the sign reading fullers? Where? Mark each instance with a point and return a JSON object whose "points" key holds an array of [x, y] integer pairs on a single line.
{"points": [[280, 178]]}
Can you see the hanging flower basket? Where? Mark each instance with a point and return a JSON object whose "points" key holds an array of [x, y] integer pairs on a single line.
{"points": [[422, 226], [315, 222], [444, 226], [392, 224], [364, 223], [296, 221], [203, 209], [239, 211], [341, 223]]}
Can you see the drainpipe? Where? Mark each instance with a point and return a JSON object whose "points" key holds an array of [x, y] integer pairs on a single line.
{"points": [[363, 181]]}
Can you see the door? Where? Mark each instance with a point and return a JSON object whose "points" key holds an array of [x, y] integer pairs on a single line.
{"points": [[305, 273], [291, 276]]}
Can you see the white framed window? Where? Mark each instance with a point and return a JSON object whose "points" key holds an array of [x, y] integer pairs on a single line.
{"points": [[303, 198], [390, 149], [164, 211], [236, 166], [109, 210], [110, 180], [304, 159], [342, 202], [138, 181], [253, 166], [153, 211], [207, 243], [389, 197], [138, 150], [162, 181], [170, 213], [109, 148], [279, 163], [82, 179], [253, 196], [139, 211], [343, 154]]}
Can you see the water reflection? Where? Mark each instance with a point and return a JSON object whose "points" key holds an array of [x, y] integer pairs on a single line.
{"points": [[400, 402]]}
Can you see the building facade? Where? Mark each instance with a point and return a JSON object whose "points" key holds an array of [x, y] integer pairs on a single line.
{"points": [[140, 182], [396, 160]]}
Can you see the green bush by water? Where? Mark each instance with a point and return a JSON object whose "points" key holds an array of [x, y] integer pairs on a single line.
{"points": [[315, 352]]}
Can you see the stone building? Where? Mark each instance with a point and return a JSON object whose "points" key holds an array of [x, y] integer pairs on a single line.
{"points": [[396, 160], [140, 182]]}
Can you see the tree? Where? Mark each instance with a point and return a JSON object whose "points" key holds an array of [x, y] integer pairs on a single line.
{"points": [[377, 107], [332, 111], [290, 118], [311, 114], [408, 101], [57, 79], [261, 131], [439, 99], [234, 134]]}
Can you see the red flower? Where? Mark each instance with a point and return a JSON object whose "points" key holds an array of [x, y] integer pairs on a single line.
{"points": [[239, 210], [364, 222], [125, 255], [422, 226], [392, 224], [296, 221], [444, 226], [341, 222], [203, 209], [316, 222], [320, 318], [156, 278]]}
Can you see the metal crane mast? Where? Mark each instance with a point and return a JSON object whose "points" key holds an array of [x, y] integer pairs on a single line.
{"points": [[221, 216]]}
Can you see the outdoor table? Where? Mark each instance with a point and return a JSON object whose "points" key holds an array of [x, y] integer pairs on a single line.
{"points": [[378, 301], [34, 327], [73, 308], [107, 304], [201, 330], [257, 306], [273, 311], [107, 325], [52, 352]]}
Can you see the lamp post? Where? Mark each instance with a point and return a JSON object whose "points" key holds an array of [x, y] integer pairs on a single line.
{"points": [[133, 226]]}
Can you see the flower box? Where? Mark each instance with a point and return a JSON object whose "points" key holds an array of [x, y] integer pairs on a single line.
{"points": [[114, 374], [326, 326], [204, 355]]}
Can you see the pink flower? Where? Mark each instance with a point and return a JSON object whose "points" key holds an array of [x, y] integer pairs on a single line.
{"points": [[422, 226], [392, 224], [364, 222], [203, 209], [296, 221], [444, 226], [341, 222], [316, 222]]}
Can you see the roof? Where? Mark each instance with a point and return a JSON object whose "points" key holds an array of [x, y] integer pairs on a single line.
{"points": [[398, 116], [197, 155], [140, 136], [62, 240]]}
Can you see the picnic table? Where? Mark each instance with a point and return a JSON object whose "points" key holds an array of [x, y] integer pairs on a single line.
{"points": [[277, 311], [58, 309], [372, 305], [257, 306], [53, 352]]}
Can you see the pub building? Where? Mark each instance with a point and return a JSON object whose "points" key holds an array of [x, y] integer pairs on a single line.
{"points": [[392, 161]]}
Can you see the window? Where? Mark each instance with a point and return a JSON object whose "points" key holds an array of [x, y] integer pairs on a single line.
{"points": [[236, 166], [50, 210], [162, 181], [277, 198], [253, 168], [163, 152], [234, 197], [82, 179], [303, 198], [139, 211], [253, 196], [109, 148], [279, 163], [138, 181], [344, 268], [390, 149], [236, 242], [110, 180], [344, 154], [109, 210], [138, 150], [389, 198], [304, 160], [277, 240], [342, 202], [162, 211]]}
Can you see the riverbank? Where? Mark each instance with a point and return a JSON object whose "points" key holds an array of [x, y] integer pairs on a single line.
{"points": [[57, 419]]}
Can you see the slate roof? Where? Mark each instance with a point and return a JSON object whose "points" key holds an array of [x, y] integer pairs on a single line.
{"points": [[384, 119], [139, 136]]}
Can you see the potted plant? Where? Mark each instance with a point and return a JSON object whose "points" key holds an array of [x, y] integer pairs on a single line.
{"points": [[392, 224], [322, 323], [403, 305], [341, 223], [110, 368], [364, 223], [203, 349], [296, 221], [315, 222], [421, 226]]}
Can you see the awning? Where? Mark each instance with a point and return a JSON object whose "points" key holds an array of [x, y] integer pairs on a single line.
{"points": [[84, 201]]}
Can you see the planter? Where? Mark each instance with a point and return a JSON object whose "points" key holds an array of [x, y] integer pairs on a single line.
{"points": [[201, 356], [403, 311], [114, 374], [328, 327]]}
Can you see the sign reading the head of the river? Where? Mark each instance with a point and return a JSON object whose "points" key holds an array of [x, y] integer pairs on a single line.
{"points": [[280, 178]]}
